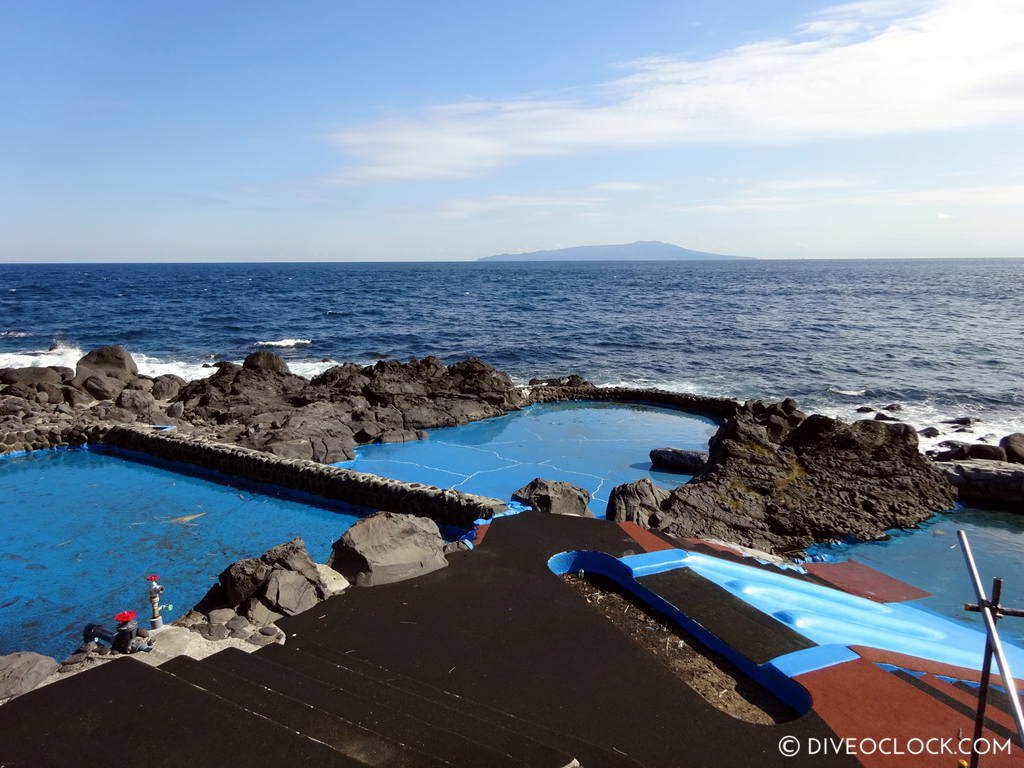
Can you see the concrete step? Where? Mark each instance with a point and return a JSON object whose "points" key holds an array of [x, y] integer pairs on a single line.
{"points": [[385, 715], [376, 686], [125, 711], [589, 755], [344, 736]]}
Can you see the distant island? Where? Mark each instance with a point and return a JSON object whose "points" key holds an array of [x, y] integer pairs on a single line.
{"points": [[645, 250]]}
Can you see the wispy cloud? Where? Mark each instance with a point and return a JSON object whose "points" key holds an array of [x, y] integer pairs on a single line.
{"points": [[862, 69], [465, 208], [815, 183], [752, 199], [622, 186]]}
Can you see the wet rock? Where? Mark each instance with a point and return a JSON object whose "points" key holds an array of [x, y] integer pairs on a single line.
{"points": [[22, 671], [884, 417], [964, 421], [387, 547], [265, 361], [679, 460], [893, 408], [1013, 445], [986, 452], [865, 409], [637, 502], [554, 497], [929, 432]]}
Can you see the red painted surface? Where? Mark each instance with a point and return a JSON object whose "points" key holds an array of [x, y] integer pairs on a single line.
{"points": [[993, 713], [859, 700], [923, 665], [478, 536], [647, 540], [864, 581]]}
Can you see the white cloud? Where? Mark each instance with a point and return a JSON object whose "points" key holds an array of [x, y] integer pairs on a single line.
{"points": [[813, 183], [622, 186], [465, 208], [863, 69], [807, 197]]}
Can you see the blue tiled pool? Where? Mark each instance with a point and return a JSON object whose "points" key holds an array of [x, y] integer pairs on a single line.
{"points": [[82, 528], [592, 445]]}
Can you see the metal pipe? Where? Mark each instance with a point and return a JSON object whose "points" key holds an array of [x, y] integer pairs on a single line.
{"points": [[986, 669], [993, 637]]}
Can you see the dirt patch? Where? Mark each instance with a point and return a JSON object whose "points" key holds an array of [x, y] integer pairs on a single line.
{"points": [[711, 675]]}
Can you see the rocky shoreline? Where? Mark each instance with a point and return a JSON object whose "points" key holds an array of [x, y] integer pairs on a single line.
{"points": [[775, 478]]}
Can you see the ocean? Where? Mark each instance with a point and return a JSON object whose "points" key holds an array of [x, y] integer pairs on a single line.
{"points": [[940, 338], [943, 338]]}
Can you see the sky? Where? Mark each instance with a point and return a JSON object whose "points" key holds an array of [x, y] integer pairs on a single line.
{"points": [[357, 130]]}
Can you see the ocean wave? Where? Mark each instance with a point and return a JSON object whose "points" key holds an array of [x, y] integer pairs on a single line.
{"points": [[284, 343], [848, 392], [14, 334]]}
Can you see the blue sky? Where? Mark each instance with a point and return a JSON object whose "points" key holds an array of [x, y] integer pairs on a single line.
{"points": [[411, 130]]}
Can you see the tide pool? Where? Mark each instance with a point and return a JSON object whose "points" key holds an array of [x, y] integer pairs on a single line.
{"points": [[592, 445], [82, 529], [929, 557]]}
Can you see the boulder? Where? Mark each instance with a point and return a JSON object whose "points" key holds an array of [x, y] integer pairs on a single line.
{"points": [[637, 502], [885, 417], [387, 547], [334, 583], [292, 556], [167, 386], [258, 612], [243, 579], [929, 432], [289, 592], [1013, 445], [679, 460], [554, 497], [103, 387], [32, 376], [22, 671], [113, 362], [987, 452], [265, 361], [137, 401]]}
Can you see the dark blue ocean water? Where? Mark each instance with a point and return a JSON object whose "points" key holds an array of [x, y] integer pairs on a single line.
{"points": [[942, 336]]}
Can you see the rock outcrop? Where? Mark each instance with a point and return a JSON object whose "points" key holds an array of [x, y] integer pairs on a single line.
{"points": [[986, 481], [255, 592], [779, 480], [22, 671], [387, 547], [679, 460], [636, 502], [555, 497]]}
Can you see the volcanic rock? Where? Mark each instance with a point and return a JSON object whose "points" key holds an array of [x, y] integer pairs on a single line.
{"points": [[112, 362], [987, 452], [636, 502], [292, 556], [679, 460], [265, 361], [289, 592], [818, 479], [388, 547], [22, 671], [1014, 447], [167, 386], [103, 387], [31, 376], [554, 497], [563, 381], [137, 401]]}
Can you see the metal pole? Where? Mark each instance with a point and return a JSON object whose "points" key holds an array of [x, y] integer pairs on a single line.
{"points": [[986, 668], [993, 638]]}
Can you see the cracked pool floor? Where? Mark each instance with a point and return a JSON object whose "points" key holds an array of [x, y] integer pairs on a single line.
{"points": [[592, 445]]}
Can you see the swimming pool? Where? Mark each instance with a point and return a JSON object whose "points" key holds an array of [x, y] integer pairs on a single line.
{"points": [[593, 445], [82, 528]]}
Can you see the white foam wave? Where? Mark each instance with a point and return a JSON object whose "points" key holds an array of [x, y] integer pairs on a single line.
{"points": [[154, 366], [14, 334], [310, 368], [58, 355], [849, 392], [284, 343]]}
